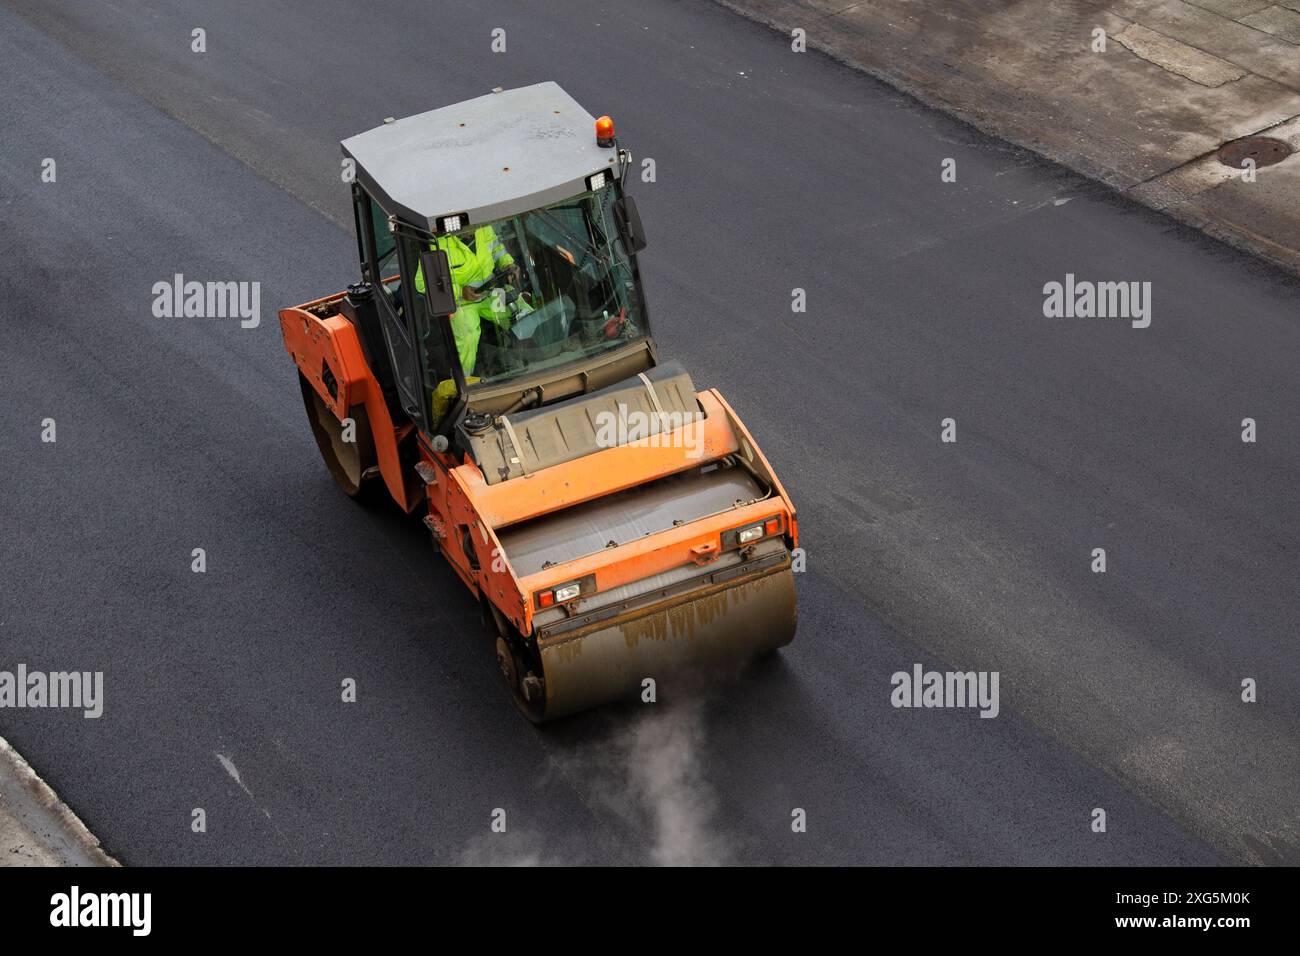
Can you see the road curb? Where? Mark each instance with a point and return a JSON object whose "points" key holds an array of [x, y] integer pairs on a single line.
{"points": [[36, 827]]}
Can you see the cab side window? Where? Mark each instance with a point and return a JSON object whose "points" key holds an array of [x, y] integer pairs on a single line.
{"points": [[385, 246], [379, 263], [431, 335], [384, 241]]}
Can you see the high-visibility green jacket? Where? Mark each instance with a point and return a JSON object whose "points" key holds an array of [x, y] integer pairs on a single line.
{"points": [[471, 267]]}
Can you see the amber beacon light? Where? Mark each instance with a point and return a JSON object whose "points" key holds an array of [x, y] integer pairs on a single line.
{"points": [[604, 131]]}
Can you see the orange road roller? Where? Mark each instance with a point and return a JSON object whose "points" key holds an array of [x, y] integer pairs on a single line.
{"points": [[493, 371]]}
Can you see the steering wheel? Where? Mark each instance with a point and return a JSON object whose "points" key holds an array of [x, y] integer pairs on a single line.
{"points": [[501, 279]]}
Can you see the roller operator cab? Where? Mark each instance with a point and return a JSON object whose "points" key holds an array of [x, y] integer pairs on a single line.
{"points": [[493, 372]]}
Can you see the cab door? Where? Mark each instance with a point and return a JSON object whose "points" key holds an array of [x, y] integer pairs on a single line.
{"points": [[381, 267]]}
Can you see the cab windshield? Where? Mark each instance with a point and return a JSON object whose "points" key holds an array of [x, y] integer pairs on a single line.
{"points": [[541, 289]]}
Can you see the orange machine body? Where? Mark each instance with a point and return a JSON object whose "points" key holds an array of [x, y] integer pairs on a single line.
{"points": [[465, 513]]}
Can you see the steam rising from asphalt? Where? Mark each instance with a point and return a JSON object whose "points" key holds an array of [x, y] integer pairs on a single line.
{"points": [[650, 775], [661, 753]]}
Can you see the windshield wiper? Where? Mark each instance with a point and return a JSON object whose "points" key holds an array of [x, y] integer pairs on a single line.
{"points": [[586, 243]]}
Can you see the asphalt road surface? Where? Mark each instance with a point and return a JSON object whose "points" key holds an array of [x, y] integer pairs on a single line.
{"points": [[774, 170]]}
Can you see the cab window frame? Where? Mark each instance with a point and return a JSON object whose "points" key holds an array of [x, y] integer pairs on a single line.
{"points": [[410, 241], [394, 323]]}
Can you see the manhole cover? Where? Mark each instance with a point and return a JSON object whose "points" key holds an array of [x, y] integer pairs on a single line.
{"points": [[1264, 150]]}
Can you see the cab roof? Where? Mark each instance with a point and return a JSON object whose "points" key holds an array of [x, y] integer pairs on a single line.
{"points": [[490, 157]]}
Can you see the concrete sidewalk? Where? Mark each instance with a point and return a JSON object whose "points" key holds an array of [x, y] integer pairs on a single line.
{"points": [[1176, 81], [36, 827]]}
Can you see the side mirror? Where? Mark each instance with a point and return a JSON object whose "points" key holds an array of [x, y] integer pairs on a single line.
{"points": [[438, 290], [629, 223]]}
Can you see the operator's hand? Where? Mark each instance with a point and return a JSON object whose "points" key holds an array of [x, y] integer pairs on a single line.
{"points": [[514, 275], [469, 294]]}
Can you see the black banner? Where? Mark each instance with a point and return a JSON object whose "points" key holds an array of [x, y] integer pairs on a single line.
{"points": [[335, 905]]}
